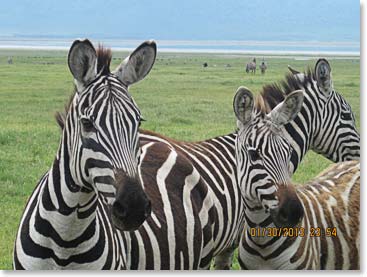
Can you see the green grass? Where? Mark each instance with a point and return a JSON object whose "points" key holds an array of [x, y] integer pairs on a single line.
{"points": [[179, 98]]}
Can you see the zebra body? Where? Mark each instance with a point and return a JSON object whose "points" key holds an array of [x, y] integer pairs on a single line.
{"points": [[186, 227], [263, 67], [251, 66], [328, 235], [77, 213]]}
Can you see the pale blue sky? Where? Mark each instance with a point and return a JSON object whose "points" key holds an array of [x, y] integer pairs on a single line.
{"points": [[321, 20]]}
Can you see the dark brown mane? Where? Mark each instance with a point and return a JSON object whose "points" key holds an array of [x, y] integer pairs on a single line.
{"points": [[275, 93], [61, 116], [104, 56]]}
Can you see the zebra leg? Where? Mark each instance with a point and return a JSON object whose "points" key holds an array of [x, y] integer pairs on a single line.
{"points": [[223, 261]]}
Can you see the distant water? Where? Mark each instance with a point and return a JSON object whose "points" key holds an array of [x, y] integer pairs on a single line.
{"points": [[256, 47]]}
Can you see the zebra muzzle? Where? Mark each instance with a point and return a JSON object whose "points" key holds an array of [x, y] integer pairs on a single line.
{"points": [[131, 206], [289, 211]]}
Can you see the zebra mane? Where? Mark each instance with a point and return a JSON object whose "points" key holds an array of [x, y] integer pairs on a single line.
{"points": [[104, 56], [61, 116], [275, 93]]}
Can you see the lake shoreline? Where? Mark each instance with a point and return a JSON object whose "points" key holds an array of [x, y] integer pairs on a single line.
{"points": [[301, 55]]}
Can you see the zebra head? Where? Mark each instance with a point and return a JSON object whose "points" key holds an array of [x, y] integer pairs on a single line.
{"points": [[336, 136], [263, 156], [102, 130]]}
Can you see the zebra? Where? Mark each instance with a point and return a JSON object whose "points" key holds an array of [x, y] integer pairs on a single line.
{"points": [[210, 221], [77, 213], [263, 66], [327, 121], [251, 66], [314, 226]]}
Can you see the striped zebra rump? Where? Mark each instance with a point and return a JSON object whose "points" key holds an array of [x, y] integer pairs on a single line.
{"points": [[327, 238]]}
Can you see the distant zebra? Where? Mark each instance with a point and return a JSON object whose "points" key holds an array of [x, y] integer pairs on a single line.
{"points": [[263, 67], [196, 203], [75, 216], [315, 226], [10, 60], [251, 66]]}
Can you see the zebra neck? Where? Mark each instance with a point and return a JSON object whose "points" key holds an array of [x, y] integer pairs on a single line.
{"points": [[61, 194], [301, 132], [65, 214]]}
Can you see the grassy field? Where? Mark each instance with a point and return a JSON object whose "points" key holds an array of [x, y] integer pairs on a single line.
{"points": [[179, 98]]}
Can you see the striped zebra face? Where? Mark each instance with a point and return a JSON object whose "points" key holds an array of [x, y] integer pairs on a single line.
{"points": [[338, 138], [263, 157], [105, 120]]}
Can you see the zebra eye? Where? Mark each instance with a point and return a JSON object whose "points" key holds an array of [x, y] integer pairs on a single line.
{"points": [[87, 125], [346, 116], [254, 155]]}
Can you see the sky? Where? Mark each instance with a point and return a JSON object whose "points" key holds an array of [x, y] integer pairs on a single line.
{"points": [[283, 20]]}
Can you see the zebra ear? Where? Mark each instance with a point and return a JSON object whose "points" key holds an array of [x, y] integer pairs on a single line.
{"points": [[323, 76], [82, 61], [135, 67], [243, 104], [287, 110]]}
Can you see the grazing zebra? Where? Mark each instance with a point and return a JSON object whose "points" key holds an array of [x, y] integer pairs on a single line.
{"points": [[251, 66], [196, 203], [75, 217], [312, 226]]}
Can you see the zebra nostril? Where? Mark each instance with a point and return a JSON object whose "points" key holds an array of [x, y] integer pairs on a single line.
{"points": [[119, 209]]}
